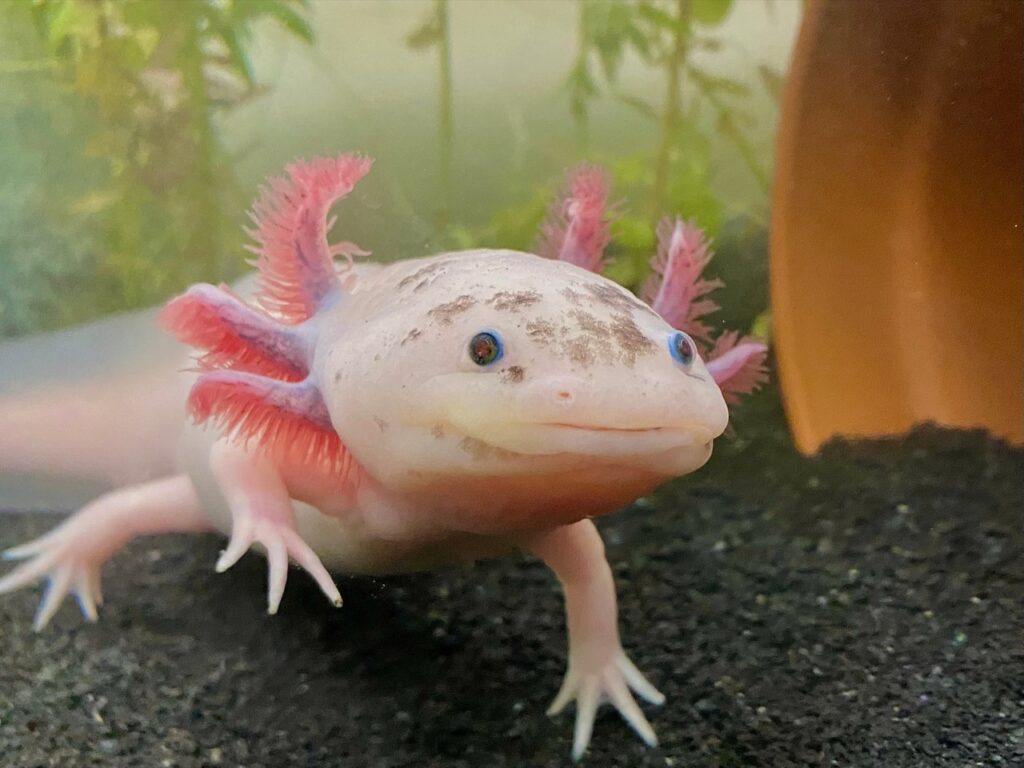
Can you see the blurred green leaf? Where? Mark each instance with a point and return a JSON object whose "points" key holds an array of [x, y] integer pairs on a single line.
{"points": [[72, 19], [625, 269], [660, 18], [762, 326], [708, 82], [633, 232], [425, 35], [637, 104], [235, 48], [710, 12], [285, 12]]}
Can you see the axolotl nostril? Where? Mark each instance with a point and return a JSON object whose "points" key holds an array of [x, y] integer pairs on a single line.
{"points": [[377, 419]]}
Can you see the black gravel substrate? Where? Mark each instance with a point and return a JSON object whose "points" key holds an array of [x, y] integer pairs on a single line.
{"points": [[861, 608]]}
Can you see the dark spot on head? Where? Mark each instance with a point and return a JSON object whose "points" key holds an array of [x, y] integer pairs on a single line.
{"points": [[421, 274], [617, 298], [513, 374], [541, 331], [572, 296], [444, 313], [381, 424], [590, 324], [513, 301], [581, 351], [337, 376], [437, 431], [631, 340], [593, 343], [617, 342], [415, 333]]}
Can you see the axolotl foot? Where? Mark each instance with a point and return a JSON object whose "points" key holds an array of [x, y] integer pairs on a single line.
{"points": [[612, 682], [262, 514], [67, 567], [71, 555], [278, 537]]}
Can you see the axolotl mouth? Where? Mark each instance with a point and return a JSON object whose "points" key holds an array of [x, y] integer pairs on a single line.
{"points": [[541, 439]]}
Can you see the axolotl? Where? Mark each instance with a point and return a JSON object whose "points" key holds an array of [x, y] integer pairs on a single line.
{"points": [[378, 419]]}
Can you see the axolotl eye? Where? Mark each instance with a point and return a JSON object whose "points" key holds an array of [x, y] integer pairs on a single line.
{"points": [[485, 348], [682, 348]]}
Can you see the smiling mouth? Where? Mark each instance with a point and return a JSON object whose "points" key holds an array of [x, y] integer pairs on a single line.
{"points": [[586, 428], [594, 440]]}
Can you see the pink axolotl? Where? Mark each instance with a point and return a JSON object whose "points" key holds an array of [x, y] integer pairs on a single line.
{"points": [[378, 419]]}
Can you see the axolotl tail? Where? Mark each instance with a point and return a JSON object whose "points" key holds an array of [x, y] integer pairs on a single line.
{"points": [[102, 402]]}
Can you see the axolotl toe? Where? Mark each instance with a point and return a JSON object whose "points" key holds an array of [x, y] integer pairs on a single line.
{"points": [[376, 419]]}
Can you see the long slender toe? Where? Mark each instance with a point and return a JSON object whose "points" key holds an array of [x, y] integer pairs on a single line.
{"points": [[27, 572], [564, 696], [307, 559], [86, 596], [586, 711], [277, 571], [637, 681], [618, 693], [56, 591], [238, 545]]}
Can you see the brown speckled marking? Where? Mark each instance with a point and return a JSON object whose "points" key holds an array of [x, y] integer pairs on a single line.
{"points": [[580, 351], [513, 374], [541, 331], [381, 424], [572, 296], [412, 335], [513, 301], [631, 340], [619, 342], [421, 273], [590, 324], [616, 298], [437, 431], [444, 313]]}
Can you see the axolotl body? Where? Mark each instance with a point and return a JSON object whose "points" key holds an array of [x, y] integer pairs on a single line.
{"points": [[377, 419]]}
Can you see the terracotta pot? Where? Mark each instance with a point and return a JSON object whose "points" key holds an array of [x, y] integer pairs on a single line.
{"points": [[898, 219]]}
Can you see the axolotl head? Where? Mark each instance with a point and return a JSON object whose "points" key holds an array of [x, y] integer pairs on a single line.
{"points": [[513, 389]]}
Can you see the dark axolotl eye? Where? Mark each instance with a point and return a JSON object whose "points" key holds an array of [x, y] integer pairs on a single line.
{"points": [[682, 348], [485, 348]]}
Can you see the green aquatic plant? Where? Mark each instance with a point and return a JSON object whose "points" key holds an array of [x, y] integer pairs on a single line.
{"points": [[435, 32], [145, 81], [696, 103], [701, 115]]}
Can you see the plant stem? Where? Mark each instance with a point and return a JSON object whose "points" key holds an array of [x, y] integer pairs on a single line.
{"points": [[446, 129], [204, 242], [670, 116], [579, 108]]}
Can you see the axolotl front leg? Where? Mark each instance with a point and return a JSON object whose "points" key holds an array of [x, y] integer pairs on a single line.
{"points": [[71, 555], [598, 667]]}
